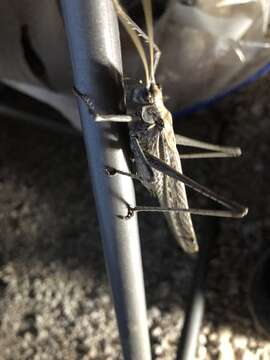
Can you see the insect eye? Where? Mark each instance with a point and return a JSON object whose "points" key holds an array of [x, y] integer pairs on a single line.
{"points": [[141, 96], [147, 116], [147, 96]]}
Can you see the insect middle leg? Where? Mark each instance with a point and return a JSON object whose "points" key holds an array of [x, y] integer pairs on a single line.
{"points": [[235, 209], [215, 150]]}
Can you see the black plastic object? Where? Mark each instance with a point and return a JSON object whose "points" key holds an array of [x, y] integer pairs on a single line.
{"points": [[195, 310], [260, 293], [196, 305]]}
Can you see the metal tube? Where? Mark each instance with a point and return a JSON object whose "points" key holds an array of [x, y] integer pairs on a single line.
{"points": [[93, 38]]}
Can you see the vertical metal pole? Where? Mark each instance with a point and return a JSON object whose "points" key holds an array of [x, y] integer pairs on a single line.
{"points": [[93, 37]]}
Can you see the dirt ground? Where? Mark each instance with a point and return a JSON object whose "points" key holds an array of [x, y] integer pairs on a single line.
{"points": [[54, 294]]}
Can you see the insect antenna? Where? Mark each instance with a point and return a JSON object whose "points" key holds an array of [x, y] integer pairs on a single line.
{"points": [[132, 30], [148, 13]]}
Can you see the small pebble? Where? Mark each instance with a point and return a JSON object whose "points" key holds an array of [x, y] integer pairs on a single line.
{"points": [[252, 343], [248, 355], [213, 337], [154, 312], [43, 334], [206, 330], [226, 351], [157, 332], [202, 339], [240, 342], [224, 335], [158, 350], [202, 352]]}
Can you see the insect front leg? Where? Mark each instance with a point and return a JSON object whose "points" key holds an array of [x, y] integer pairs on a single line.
{"points": [[97, 117], [144, 170], [145, 173]]}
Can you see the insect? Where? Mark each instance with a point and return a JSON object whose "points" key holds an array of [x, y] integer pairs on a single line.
{"points": [[154, 144]]}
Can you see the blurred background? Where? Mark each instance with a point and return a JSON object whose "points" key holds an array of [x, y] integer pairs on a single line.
{"points": [[55, 301]]}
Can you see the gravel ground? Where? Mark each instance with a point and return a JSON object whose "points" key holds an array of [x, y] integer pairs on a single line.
{"points": [[54, 295]]}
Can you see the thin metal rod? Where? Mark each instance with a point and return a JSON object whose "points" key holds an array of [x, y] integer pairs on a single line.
{"points": [[93, 37]]}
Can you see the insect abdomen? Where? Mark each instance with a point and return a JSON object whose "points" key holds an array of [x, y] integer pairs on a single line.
{"points": [[174, 196]]}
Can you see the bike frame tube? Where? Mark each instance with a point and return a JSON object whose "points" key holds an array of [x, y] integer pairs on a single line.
{"points": [[93, 37]]}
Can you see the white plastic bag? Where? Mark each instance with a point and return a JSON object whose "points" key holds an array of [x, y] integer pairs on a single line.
{"points": [[211, 48], [208, 48]]}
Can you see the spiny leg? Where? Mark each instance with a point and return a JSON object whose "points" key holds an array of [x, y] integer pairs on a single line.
{"points": [[131, 210], [86, 99], [100, 118], [110, 171], [186, 141], [205, 155], [235, 210], [202, 212], [145, 172]]}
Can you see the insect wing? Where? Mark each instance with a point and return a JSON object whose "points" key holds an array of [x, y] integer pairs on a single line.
{"points": [[174, 196]]}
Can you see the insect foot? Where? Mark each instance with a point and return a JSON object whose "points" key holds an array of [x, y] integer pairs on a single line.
{"points": [[85, 98], [130, 213], [243, 213], [110, 171]]}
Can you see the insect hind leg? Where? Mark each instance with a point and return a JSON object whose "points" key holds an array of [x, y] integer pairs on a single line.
{"points": [[234, 209], [193, 211]]}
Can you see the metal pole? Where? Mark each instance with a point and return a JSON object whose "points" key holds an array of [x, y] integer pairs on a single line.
{"points": [[93, 37]]}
